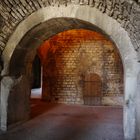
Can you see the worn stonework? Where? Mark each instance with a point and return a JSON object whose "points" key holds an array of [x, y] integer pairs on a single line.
{"points": [[69, 57], [53, 26], [126, 12]]}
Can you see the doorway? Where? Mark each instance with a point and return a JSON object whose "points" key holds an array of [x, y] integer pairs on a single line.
{"points": [[92, 89], [64, 58], [20, 67], [36, 90]]}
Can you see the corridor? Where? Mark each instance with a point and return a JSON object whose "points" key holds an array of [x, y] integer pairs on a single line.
{"points": [[69, 122]]}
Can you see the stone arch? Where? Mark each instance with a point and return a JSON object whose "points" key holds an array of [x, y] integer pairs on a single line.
{"points": [[110, 26], [124, 11]]}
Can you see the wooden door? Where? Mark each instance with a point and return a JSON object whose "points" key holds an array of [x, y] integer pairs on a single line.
{"points": [[92, 89]]}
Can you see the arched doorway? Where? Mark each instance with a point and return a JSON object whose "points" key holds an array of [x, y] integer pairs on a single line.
{"points": [[61, 70], [20, 70]]}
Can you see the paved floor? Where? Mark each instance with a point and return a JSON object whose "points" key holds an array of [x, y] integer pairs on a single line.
{"points": [[69, 122]]}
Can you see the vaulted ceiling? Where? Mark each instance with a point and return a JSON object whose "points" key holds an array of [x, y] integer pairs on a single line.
{"points": [[126, 12]]}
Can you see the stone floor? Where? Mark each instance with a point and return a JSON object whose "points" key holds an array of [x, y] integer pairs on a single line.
{"points": [[69, 122]]}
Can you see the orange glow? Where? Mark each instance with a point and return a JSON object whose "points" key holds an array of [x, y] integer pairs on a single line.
{"points": [[67, 39], [68, 56]]}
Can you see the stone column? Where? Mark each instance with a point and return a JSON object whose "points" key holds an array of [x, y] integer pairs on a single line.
{"points": [[137, 101], [129, 118], [6, 85]]}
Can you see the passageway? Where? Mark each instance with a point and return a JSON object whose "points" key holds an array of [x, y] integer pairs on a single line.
{"points": [[80, 73], [87, 73], [69, 122]]}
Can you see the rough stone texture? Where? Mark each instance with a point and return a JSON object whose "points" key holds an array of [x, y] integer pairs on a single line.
{"points": [[23, 109], [126, 12], [71, 55], [6, 84], [137, 102], [26, 49], [110, 26]]}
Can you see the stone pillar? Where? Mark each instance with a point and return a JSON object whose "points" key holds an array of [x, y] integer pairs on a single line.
{"points": [[14, 89], [138, 109], [6, 84], [19, 100], [129, 118]]}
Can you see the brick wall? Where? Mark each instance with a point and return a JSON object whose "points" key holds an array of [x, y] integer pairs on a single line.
{"points": [[12, 12], [70, 56]]}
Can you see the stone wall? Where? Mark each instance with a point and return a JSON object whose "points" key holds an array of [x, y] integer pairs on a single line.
{"points": [[126, 12], [47, 27], [71, 55]]}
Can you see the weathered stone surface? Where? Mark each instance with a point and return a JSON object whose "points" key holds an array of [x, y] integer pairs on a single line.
{"points": [[20, 89], [5, 86], [137, 102], [1, 65], [106, 23], [1, 22], [126, 12]]}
